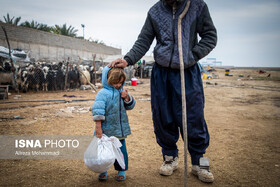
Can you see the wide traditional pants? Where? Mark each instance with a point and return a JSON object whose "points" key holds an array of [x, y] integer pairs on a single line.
{"points": [[166, 102]]}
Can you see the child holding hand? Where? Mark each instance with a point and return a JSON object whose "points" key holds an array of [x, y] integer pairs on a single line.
{"points": [[109, 113]]}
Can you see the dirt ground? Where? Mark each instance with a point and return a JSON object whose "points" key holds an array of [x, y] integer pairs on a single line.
{"points": [[242, 113]]}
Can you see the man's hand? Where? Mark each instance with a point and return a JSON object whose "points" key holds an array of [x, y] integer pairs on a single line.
{"points": [[118, 63], [98, 130], [125, 95]]}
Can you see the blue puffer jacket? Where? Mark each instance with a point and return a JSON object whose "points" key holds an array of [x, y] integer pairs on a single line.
{"points": [[110, 108], [162, 23]]}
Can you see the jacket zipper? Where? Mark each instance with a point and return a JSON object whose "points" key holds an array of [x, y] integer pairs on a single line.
{"points": [[113, 94], [121, 115], [174, 10], [173, 32]]}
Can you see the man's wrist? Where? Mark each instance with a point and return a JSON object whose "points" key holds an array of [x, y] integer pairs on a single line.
{"points": [[128, 61], [125, 62]]}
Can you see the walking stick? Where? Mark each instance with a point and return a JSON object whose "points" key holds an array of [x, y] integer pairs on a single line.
{"points": [[184, 107], [14, 70], [91, 85], [66, 74]]}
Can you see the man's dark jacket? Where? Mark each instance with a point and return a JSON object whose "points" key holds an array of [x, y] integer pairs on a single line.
{"points": [[162, 23]]}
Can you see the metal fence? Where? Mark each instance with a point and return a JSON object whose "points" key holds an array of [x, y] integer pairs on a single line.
{"points": [[43, 76]]}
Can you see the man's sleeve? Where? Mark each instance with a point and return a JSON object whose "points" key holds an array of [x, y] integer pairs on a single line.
{"points": [[142, 44], [208, 34]]}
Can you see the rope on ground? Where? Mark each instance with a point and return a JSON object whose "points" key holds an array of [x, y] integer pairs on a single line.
{"points": [[41, 101], [32, 106]]}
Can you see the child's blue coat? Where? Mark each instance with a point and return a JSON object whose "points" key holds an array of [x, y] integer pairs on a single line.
{"points": [[110, 108]]}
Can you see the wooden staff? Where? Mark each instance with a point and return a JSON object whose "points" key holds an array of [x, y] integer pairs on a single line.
{"points": [[12, 62], [66, 74], [91, 85], [94, 70], [184, 107]]}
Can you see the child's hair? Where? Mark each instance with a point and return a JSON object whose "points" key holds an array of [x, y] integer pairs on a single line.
{"points": [[115, 75]]}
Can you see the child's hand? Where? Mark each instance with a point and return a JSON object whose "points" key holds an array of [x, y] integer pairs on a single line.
{"points": [[125, 95], [98, 131]]}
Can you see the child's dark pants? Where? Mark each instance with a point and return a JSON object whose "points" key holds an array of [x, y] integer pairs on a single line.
{"points": [[124, 152]]}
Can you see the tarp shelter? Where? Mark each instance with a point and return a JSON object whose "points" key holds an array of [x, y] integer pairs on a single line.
{"points": [[149, 60], [111, 58]]}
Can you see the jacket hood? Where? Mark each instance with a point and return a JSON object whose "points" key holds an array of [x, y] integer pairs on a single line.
{"points": [[180, 5], [105, 80], [179, 1]]}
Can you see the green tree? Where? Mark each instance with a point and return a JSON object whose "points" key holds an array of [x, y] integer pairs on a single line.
{"points": [[64, 30], [96, 41], [14, 21], [34, 25], [44, 27]]}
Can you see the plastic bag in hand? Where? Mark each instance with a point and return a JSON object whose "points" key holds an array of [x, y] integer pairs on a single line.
{"points": [[102, 153]]}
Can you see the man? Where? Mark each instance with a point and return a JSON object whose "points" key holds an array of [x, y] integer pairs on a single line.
{"points": [[161, 23]]}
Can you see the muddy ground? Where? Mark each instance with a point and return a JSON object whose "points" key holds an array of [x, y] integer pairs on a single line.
{"points": [[242, 113]]}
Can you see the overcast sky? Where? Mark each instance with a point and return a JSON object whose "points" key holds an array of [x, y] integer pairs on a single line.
{"points": [[248, 31]]}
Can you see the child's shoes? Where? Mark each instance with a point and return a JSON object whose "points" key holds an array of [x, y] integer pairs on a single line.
{"points": [[121, 176], [103, 176]]}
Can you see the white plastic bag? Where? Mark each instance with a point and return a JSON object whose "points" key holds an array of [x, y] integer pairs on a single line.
{"points": [[118, 153], [102, 153]]}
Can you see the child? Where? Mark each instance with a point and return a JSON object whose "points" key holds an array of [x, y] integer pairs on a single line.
{"points": [[109, 113]]}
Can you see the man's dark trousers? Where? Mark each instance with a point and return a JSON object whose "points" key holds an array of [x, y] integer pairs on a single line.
{"points": [[167, 110]]}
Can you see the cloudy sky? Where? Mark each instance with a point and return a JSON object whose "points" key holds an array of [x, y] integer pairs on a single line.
{"points": [[248, 31]]}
